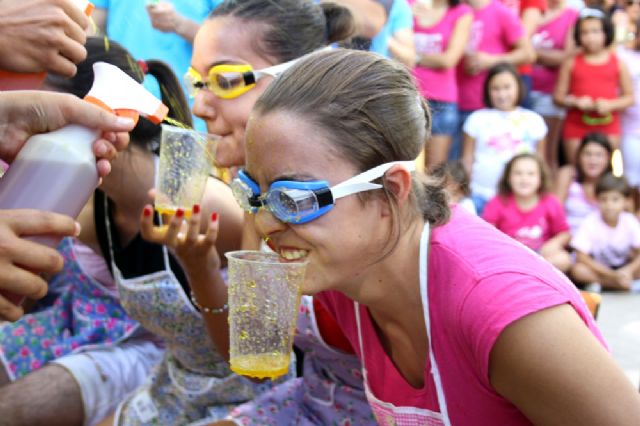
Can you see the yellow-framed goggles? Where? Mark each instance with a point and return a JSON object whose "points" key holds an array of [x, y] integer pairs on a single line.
{"points": [[228, 81]]}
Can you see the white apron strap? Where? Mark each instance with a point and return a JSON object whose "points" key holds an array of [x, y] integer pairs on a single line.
{"points": [[424, 292]]}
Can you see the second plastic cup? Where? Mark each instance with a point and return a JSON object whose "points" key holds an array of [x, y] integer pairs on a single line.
{"points": [[185, 164], [264, 297]]}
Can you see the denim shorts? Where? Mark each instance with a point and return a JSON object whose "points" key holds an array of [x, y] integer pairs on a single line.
{"points": [[444, 116]]}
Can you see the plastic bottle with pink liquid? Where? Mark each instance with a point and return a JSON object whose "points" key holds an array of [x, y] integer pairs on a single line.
{"points": [[56, 171]]}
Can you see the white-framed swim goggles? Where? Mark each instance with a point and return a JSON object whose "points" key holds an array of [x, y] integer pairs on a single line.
{"points": [[303, 201]]}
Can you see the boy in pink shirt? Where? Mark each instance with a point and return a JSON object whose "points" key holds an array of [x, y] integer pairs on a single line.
{"points": [[608, 241]]}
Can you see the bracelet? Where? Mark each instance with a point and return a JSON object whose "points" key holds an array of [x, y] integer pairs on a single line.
{"points": [[206, 309]]}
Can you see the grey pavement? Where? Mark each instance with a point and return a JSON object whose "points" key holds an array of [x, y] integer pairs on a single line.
{"points": [[619, 321]]}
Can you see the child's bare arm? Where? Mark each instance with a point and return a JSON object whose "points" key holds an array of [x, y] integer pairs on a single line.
{"points": [[594, 265], [468, 149], [634, 263], [559, 241], [626, 98], [561, 96]]}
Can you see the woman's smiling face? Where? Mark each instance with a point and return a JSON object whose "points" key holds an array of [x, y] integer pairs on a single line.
{"points": [[228, 40], [340, 245]]}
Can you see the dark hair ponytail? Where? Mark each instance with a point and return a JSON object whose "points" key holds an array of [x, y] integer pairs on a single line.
{"points": [[172, 96], [339, 23], [293, 27]]}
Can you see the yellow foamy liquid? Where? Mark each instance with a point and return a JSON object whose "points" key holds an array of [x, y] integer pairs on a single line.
{"points": [[261, 365], [172, 211]]}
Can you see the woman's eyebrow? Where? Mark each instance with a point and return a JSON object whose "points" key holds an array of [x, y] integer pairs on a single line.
{"points": [[294, 177], [223, 62]]}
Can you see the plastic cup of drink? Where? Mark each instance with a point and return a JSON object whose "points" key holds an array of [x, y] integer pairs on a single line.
{"points": [[264, 298], [185, 164]]}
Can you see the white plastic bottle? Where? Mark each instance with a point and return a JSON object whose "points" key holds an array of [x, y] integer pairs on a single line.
{"points": [[56, 171]]}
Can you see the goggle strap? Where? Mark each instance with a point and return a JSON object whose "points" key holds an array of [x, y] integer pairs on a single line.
{"points": [[362, 182], [275, 70], [278, 69], [353, 188]]}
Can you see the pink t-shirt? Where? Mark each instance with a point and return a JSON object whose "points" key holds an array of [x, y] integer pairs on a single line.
{"points": [[480, 281], [631, 116], [551, 35], [533, 227], [495, 30], [437, 84], [607, 245]]}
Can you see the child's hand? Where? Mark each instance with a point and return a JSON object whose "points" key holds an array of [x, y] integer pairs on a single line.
{"points": [[196, 251], [603, 106], [624, 278], [584, 103], [478, 62]]}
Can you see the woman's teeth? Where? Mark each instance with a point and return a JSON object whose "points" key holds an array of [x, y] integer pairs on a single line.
{"points": [[293, 254]]}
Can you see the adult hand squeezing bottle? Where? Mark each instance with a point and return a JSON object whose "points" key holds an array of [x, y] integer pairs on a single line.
{"points": [[10, 80], [56, 171]]}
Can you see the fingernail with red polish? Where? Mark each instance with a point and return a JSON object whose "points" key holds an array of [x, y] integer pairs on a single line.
{"points": [[214, 216], [179, 213], [196, 208], [147, 211]]}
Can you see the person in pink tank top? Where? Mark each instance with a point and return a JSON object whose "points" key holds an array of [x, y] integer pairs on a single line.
{"points": [[594, 86], [441, 32], [453, 321], [553, 41]]}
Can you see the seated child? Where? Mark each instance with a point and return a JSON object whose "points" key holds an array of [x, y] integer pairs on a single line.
{"points": [[607, 243], [525, 210], [456, 182]]}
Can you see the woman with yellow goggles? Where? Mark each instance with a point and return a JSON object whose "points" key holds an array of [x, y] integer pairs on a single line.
{"points": [[228, 81]]}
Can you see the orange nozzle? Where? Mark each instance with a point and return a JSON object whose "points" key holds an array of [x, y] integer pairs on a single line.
{"points": [[130, 113], [115, 91]]}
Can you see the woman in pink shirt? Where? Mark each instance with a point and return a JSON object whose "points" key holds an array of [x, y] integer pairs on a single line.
{"points": [[441, 32], [454, 322], [553, 42], [526, 211]]}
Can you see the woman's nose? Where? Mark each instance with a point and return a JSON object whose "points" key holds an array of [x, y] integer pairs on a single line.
{"points": [[203, 107], [267, 224]]}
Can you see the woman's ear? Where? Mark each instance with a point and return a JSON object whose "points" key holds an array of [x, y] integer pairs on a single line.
{"points": [[398, 181]]}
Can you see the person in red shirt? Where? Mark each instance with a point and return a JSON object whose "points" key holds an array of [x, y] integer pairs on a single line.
{"points": [[594, 86]]}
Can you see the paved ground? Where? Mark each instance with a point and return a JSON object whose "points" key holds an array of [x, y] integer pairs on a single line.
{"points": [[619, 320]]}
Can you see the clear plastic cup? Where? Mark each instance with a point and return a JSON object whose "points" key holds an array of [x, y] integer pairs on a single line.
{"points": [[185, 163], [264, 297]]}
